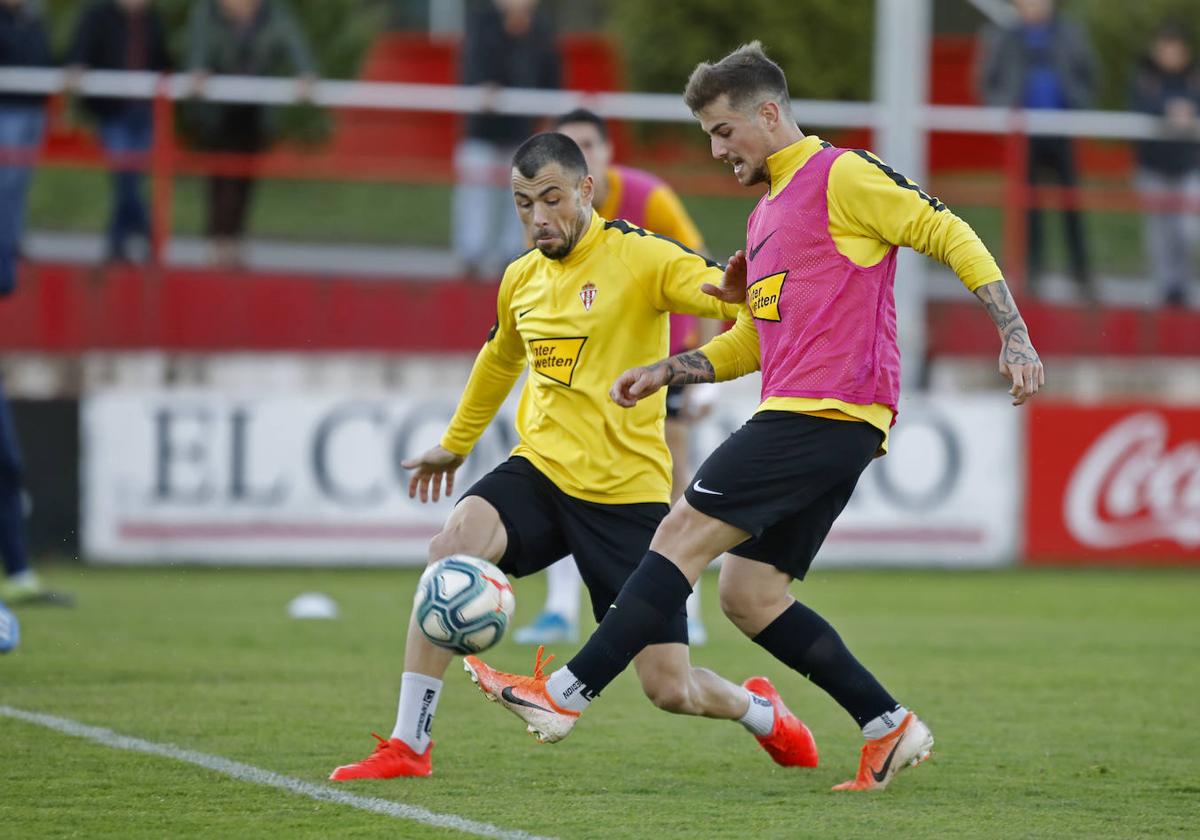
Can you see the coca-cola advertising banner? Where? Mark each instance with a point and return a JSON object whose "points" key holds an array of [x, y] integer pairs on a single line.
{"points": [[1113, 484]]}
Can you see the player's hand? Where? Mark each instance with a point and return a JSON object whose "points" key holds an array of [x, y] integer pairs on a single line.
{"points": [[429, 470], [733, 284], [638, 383], [1021, 365]]}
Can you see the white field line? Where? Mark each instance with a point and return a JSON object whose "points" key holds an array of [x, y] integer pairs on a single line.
{"points": [[259, 776]]}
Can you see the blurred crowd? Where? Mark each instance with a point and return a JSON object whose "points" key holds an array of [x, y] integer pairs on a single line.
{"points": [[1043, 59], [239, 37]]}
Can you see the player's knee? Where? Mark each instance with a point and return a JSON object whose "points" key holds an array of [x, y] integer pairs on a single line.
{"points": [[747, 608], [447, 542]]}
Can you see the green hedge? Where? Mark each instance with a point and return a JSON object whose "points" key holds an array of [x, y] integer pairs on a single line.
{"points": [[824, 46]]}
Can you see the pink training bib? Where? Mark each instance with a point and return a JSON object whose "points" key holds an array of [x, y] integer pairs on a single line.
{"points": [[826, 326]]}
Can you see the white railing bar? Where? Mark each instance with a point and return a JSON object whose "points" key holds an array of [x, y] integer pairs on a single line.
{"points": [[655, 107]]}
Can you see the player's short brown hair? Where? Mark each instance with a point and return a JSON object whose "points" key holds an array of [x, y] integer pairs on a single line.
{"points": [[746, 76]]}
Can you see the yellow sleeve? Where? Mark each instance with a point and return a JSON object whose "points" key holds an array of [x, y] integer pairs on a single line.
{"points": [[665, 214], [496, 369], [674, 275], [872, 207], [735, 352]]}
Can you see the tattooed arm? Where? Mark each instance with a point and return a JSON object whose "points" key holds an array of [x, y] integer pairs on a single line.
{"points": [[638, 383], [1019, 362]]}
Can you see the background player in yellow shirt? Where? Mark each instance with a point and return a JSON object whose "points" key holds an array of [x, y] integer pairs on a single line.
{"points": [[645, 200], [587, 477]]}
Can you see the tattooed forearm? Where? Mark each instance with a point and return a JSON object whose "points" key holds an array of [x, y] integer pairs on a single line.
{"points": [[1001, 307], [1018, 348], [689, 369]]}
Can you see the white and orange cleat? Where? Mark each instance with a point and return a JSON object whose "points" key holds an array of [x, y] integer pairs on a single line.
{"points": [[790, 743], [525, 697], [907, 746]]}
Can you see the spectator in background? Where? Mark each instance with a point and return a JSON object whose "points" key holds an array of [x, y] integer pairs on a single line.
{"points": [[243, 38], [1045, 61], [23, 43], [1167, 85], [508, 44], [122, 35]]}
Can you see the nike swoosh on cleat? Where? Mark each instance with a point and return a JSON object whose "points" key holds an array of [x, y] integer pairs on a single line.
{"points": [[754, 251], [509, 697], [881, 773], [700, 489]]}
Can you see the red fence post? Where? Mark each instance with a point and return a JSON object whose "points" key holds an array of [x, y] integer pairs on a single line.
{"points": [[1017, 200], [162, 156]]}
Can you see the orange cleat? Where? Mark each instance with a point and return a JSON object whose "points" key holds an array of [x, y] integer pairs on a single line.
{"points": [[525, 697], [907, 746], [390, 759], [790, 743]]}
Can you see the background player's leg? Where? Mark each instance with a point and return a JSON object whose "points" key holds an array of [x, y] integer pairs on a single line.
{"points": [[12, 523], [559, 619]]}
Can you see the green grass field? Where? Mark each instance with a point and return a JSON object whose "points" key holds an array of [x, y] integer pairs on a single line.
{"points": [[1063, 706]]}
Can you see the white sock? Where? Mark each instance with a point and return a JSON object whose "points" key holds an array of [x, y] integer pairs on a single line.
{"points": [[693, 603], [563, 585], [885, 723], [760, 716], [418, 701], [567, 691]]}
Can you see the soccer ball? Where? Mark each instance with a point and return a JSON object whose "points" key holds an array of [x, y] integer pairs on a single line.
{"points": [[464, 604]]}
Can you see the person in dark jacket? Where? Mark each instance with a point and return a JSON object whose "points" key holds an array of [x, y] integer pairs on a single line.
{"points": [[243, 38], [1045, 61], [23, 43], [1167, 85], [508, 44], [122, 35]]}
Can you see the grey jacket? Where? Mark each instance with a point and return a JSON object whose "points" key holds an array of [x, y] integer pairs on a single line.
{"points": [[1004, 63]]}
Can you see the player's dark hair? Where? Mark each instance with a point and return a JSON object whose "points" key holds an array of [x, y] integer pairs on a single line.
{"points": [[583, 115], [546, 148], [746, 76]]}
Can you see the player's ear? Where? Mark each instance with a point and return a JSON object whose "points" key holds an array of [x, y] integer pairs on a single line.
{"points": [[769, 113], [587, 188]]}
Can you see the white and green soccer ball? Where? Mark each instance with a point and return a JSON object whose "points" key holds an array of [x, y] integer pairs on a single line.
{"points": [[464, 604]]}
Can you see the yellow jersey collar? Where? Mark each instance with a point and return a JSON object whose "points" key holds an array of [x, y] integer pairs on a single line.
{"points": [[586, 242], [789, 160]]}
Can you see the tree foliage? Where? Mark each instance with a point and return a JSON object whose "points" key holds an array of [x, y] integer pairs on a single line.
{"points": [[824, 46]]}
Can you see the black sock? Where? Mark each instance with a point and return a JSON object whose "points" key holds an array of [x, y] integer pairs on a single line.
{"points": [[654, 593], [807, 643]]}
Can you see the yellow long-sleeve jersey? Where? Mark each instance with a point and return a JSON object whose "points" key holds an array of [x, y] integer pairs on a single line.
{"points": [[871, 209], [578, 323]]}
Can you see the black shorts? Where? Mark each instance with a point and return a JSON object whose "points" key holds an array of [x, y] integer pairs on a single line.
{"points": [[784, 477], [544, 525], [675, 401]]}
